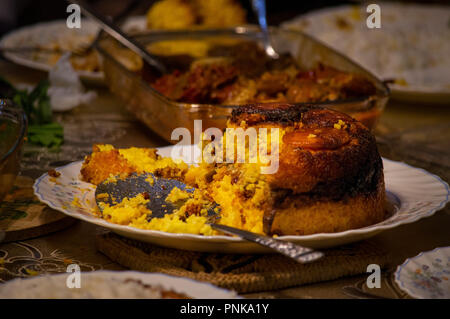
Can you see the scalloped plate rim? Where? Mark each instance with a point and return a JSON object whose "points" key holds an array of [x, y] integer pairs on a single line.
{"points": [[401, 267], [372, 229]]}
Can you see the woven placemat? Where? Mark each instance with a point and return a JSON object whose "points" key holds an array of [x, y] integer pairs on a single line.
{"points": [[242, 273]]}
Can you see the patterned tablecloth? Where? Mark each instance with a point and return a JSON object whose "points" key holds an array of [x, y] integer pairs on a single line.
{"points": [[416, 134]]}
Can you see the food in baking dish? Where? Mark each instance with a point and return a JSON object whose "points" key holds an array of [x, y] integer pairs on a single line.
{"points": [[242, 73]]}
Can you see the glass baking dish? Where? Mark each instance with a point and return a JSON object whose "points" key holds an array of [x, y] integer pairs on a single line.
{"points": [[163, 115]]}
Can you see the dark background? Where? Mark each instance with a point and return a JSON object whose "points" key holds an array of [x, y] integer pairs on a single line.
{"points": [[16, 13]]}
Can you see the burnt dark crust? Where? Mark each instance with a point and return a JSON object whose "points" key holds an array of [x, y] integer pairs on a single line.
{"points": [[364, 182], [283, 114], [284, 199]]}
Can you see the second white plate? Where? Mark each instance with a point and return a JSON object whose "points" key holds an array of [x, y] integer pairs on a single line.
{"points": [[47, 34], [400, 49], [93, 285]]}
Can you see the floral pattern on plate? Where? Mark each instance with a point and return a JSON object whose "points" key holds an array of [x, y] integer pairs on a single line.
{"points": [[426, 275]]}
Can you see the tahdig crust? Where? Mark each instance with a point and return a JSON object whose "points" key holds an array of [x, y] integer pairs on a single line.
{"points": [[330, 175], [329, 179]]}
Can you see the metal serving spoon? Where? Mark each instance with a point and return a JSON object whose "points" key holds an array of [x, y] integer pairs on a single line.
{"points": [[259, 7], [120, 36], [84, 49], [158, 190]]}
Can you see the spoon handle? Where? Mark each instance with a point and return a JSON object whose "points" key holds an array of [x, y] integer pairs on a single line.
{"points": [[259, 7], [300, 254]]}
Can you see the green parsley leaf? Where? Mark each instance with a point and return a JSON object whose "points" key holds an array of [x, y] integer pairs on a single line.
{"points": [[36, 104]]}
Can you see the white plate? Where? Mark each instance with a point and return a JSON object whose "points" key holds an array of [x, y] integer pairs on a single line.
{"points": [[42, 34], [414, 192], [426, 275], [391, 51], [53, 286]]}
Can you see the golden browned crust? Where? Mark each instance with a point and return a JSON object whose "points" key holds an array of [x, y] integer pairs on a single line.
{"points": [[99, 165], [106, 161], [330, 175], [324, 150]]}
